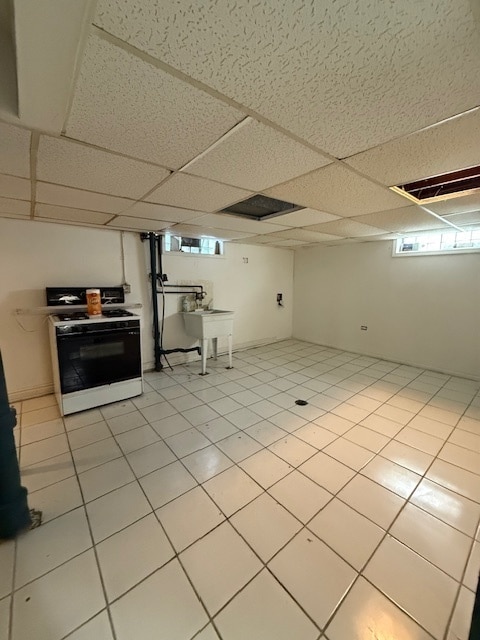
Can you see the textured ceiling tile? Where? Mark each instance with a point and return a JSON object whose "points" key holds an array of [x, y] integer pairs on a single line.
{"points": [[302, 218], [290, 243], [52, 212], [236, 223], [347, 228], [473, 217], [194, 231], [162, 212], [13, 187], [138, 224], [346, 75], [190, 192], [128, 105], [338, 190], [264, 240], [461, 204], [76, 165], [406, 219], [18, 207], [254, 156], [68, 197], [452, 145], [303, 234], [14, 151]]}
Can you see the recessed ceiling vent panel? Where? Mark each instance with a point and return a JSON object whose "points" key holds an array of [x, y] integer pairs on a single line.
{"points": [[443, 187], [261, 207]]}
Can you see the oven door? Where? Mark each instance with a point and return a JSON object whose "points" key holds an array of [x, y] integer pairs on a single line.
{"points": [[99, 357]]}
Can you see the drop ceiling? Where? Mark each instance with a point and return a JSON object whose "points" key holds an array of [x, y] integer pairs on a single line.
{"points": [[155, 116]]}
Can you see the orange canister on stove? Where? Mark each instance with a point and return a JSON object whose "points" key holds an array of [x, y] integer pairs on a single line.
{"points": [[94, 302]]}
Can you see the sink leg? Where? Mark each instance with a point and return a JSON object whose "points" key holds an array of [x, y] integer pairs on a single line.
{"points": [[204, 356], [214, 347], [230, 341]]}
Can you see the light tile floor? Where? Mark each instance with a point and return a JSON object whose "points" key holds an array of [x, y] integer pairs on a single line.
{"points": [[215, 507]]}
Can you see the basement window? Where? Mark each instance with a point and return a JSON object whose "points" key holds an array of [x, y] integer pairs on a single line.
{"points": [[193, 246], [438, 243]]}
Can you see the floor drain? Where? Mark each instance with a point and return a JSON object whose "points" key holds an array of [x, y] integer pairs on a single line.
{"points": [[302, 403]]}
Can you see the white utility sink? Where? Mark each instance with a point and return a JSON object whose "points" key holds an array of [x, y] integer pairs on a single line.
{"points": [[210, 323]]}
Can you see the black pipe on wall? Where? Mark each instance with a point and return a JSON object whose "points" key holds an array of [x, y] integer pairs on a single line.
{"points": [[152, 240]]}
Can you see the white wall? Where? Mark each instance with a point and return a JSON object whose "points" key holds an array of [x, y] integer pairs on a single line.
{"points": [[34, 255], [419, 310]]}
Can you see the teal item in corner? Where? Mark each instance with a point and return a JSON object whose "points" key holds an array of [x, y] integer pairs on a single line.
{"points": [[14, 511]]}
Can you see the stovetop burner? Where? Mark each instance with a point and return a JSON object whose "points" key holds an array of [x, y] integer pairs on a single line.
{"points": [[116, 313], [77, 315]]}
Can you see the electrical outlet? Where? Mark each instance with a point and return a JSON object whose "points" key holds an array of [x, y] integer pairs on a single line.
{"points": [[245, 260], [127, 288], [363, 327]]}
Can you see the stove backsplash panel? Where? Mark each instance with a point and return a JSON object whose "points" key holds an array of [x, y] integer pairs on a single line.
{"points": [[68, 296]]}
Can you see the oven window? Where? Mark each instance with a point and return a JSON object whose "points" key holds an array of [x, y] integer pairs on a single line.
{"points": [[87, 361]]}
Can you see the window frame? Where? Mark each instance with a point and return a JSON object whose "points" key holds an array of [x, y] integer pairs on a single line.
{"points": [[397, 243]]}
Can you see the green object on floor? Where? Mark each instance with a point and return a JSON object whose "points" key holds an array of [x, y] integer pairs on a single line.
{"points": [[14, 511]]}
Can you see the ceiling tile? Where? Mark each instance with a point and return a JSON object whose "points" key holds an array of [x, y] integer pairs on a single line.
{"points": [[451, 145], [406, 219], [162, 212], [190, 192], [265, 240], [302, 218], [126, 104], [347, 228], [138, 224], [193, 231], [460, 219], [14, 151], [236, 223], [68, 197], [18, 207], [52, 212], [344, 75], [461, 204], [76, 165], [303, 234], [13, 187], [255, 156], [337, 190], [290, 243]]}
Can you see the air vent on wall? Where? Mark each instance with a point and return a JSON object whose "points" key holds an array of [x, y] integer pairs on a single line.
{"points": [[443, 187], [261, 207]]}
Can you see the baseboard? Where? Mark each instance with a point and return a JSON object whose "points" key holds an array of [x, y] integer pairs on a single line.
{"points": [[27, 394]]}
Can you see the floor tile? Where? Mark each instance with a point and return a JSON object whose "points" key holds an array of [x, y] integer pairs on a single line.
{"points": [[288, 490], [189, 517], [131, 555], [472, 573], [151, 458], [47, 472], [239, 446], [367, 438], [88, 435], [402, 416], [57, 603], [136, 438], [461, 457], [349, 453], [175, 391], [4, 618], [265, 468], [57, 499], [209, 394], [41, 431], [43, 450], [437, 542], [367, 613], [36, 555], [217, 429], [317, 436], [347, 532], [208, 633], [381, 425], [156, 412], [178, 612], [313, 574], [373, 501], [96, 454], [105, 478], [82, 419], [327, 472], [419, 440], [460, 438], [225, 405], [264, 610], [456, 479], [451, 507], [167, 483], [265, 525], [116, 510], [243, 418], [438, 415], [351, 412], [7, 552], [127, 421], [292, 450], [207, 463], [265, 432], [98, 628], [39, 403], [171, 425], [117, 409], [232, 489], [462, 616], [392, 476], [408, 457], [200, 415], [219, 565], [334, 423], [187, 442], [423, 591], [40, 415], [469, 423], [147, 399], [287, 421]]}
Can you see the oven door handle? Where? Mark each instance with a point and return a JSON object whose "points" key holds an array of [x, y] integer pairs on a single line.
{"points": [[93, 334]]}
